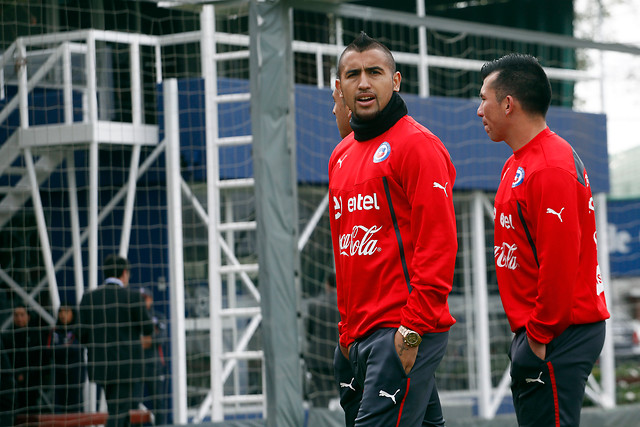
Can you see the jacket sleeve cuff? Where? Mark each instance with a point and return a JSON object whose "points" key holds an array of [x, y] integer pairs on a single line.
{"points": [[539, 334]]}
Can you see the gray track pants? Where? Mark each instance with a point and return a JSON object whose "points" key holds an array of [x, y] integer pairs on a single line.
{"points": [[374, 389], [549, 392]]}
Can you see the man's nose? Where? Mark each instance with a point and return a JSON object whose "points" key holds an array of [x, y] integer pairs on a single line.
{"points": [[364, 81]]}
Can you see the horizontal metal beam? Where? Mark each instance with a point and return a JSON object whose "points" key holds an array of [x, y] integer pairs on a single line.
{"points": [[237, 226], [236, 183], [240, 312], [243, 355], [229, 56], [233, 97], [244, 398], [83, 133], [234, 140], [80, 35], [458, 26], [239, 268]]}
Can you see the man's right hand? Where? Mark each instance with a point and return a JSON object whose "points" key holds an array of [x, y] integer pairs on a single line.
{"points": [[538, 348]]}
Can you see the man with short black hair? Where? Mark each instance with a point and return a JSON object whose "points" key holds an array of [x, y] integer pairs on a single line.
{"points": [[115, 327], [393, 230], [545, 247]]}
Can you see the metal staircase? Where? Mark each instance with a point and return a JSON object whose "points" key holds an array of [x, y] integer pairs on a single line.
{"points": [[36, 148], [31, 153], [240, 317], [15, 196]]}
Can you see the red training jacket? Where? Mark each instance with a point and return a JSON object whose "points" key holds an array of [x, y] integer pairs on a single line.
{"points": [[393, 229], [545, 240]]}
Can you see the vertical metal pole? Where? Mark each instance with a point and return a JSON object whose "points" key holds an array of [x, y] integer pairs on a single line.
{"points": [[90, 108], [210, 74], [319, 70], [93, 214], [339, 42], [23, 90], [158, 51], [136, 86], [423, 67], [2, 92], [603, 73], [468, 295], [176, 268], [67, 84], [232, 289], [92, 113], [481, 303], [92, 84], [607, 359], [339, 34], [274, 160], [75, 226], [42, 232]]}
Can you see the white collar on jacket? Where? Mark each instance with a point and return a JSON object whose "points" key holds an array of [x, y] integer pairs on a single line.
{"points": [[111, 280]]}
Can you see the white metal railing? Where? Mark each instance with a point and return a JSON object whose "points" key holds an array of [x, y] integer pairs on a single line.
{"points": [[84, 43]]}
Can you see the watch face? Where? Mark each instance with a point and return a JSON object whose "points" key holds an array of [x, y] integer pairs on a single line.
{"points": [[413, 339]]}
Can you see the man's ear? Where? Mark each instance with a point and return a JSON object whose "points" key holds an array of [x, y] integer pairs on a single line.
{"points": [[509, 104], [338, 88], [397, 78]]}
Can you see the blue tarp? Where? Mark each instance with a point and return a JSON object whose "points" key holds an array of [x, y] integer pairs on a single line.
{"points": [[624, 237], [478, 160]]}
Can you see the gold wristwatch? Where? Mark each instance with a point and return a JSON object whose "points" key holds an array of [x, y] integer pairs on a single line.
{"points": [[411, 338]]}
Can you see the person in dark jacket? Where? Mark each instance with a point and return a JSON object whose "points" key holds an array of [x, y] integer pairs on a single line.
{"points": [[6, 386], [25, 348], [69, 371], [156, 381], [115, 327], [322, 335]]}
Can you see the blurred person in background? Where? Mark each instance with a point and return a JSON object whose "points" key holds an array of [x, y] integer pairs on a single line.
{"points": [[7, 386], [25, 347], [156, 366], [321, 324], [69, 370], [115, 327]]}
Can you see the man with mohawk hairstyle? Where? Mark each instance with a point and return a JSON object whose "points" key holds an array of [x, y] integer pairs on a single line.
{"points": [[394, 240]]}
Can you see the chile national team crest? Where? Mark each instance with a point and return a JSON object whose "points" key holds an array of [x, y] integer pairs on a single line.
{"points": [[382, 152], [517, 180]]}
